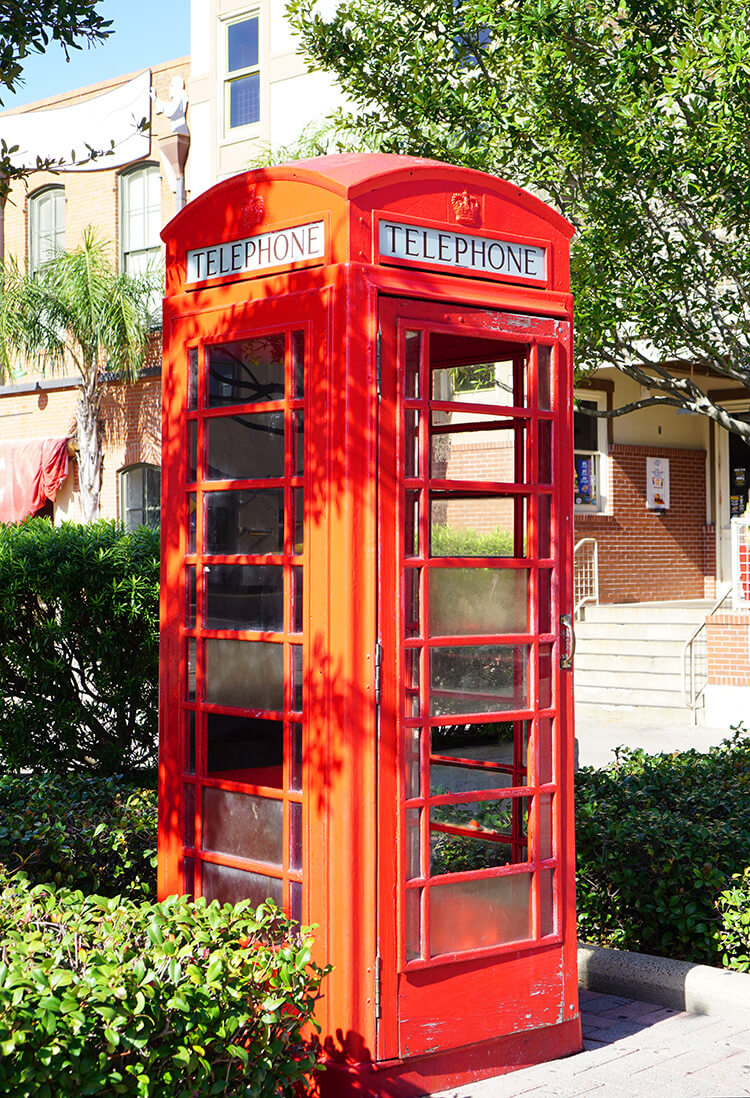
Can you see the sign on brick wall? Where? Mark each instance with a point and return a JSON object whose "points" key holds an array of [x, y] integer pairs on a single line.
{"points": [[657, 484]]}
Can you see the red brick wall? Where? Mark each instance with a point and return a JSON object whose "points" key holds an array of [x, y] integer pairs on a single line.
{"points": [[645, 555], [728, 637]]}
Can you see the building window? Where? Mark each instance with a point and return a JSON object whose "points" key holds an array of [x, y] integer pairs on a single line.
{"points": [[46, 225], [590, 448], [140, 490], [140, 218], [242, 79]]}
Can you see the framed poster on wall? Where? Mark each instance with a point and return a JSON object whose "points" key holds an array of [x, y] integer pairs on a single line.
{"points": [[657, 484]]}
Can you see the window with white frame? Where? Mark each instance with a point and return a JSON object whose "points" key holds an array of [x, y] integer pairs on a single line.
{"points": [[241, 66], [140, 218], [46, 225], [140, 492], [590, 453]]}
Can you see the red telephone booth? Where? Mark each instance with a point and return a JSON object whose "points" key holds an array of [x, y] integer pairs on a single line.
{"points": [[366, 689]]}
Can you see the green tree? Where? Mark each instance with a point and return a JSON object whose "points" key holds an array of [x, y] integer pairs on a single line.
{"points": [[76, 310], [631, 117]]}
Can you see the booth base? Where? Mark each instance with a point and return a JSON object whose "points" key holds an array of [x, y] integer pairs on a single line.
{"points": [[450, 1068]]}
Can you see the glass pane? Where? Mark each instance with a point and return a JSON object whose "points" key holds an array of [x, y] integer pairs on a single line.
{"points": [[249, 447], [545, 826], [544, 756], [189, 742], [295, 836], [192, 516], [469, 601], [297, 677], [192, 379], [188, 871], [478, 679], [190, 669], [411, 523], [413, 919], [478, 835], [411, 602], [245, 521], [585, 427], [297, 616], [242, 45], [544, 597], [543, 376], [544, 450], [229, 886], [244, 100], [243, 825], [544, 520], [245, 674], [545, 676], [413, 738], [298, 363], [546, 902], [246, 371], [295, 901], [192, 450], [299, 443], [295, 769], [477, 526], [476, 914], [491, 743], [585, 479], [134, 491], [480, 383], [411, 363], [411, 442], [245, 749], [412, 818], [465, 446], [245, 596], [189, 810], [190, 597]]}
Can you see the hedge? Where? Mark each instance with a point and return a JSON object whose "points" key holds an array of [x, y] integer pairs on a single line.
{"points": [[92, 833], [658, 838], [174, 1000], [78, 647]]}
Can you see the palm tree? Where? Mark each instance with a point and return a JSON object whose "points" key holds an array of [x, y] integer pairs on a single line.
{"points": [[76, 311]]}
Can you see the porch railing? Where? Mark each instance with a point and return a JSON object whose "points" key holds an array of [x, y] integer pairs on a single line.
{"points": [[695, 659], [585, 575]]}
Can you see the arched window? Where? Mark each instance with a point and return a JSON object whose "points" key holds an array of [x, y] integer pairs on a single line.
{"points": [[140, 218], [46, 225], [140, 490]]}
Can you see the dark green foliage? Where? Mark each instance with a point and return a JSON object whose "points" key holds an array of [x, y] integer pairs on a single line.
{"points": [[734, 934], [658, 838], [172, 1000], [81, 831], [450, 541], [78, 647]]}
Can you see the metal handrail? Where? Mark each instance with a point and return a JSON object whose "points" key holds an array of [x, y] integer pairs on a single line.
{"points": [[593, 597], [690, 696]]}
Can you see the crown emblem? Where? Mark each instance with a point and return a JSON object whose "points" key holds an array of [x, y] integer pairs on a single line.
{"points": [[251, 212], [466, 208]]}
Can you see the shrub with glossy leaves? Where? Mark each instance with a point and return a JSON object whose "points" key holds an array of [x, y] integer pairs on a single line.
{"points": [[658, 838], [733, 936], [80, 830], [172, 1000], [78, 646]]}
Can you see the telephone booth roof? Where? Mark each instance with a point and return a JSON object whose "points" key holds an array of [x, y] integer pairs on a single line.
{"points": [[348, 192]]}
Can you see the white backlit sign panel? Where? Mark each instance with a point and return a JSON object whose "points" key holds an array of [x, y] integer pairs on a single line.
{"points": [[468, 252], [277, 248]]}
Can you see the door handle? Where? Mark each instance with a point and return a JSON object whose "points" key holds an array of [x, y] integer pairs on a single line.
{"points": [[567, 642]]}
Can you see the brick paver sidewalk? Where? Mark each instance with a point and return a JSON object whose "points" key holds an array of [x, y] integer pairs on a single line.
{"points": [[637, 1050]]}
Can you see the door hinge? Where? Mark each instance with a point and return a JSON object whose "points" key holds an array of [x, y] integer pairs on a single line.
{"points": [[378, 670], [378, 368], [378, 970]]}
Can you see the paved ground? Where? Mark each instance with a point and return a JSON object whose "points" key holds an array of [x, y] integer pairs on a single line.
{"points": [[600, 730], [636, 1050]]}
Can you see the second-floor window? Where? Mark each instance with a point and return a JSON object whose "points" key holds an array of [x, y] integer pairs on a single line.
{"points": [[46, 225], [140, 218], [242, 74]]}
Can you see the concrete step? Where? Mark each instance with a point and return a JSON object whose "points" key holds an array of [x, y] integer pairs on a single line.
{"points": [[628, 647], [643, 661], [637, 697], [639, 631], [617, 679], [648, 611]]}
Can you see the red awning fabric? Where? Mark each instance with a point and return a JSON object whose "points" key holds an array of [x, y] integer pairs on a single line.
{"points": [[31, 471]]}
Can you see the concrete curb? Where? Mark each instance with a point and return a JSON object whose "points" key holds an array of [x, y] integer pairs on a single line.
{"points": [[697, 989]]}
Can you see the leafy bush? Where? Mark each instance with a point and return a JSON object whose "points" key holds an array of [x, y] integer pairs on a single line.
{"points": [[451, 541], [733, 936], [82, 831], [171, 1000], [78, 646], [658, 838]]}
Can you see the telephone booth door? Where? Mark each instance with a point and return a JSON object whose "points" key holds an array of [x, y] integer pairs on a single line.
{"points": [[235, 661], [474, 546]]}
